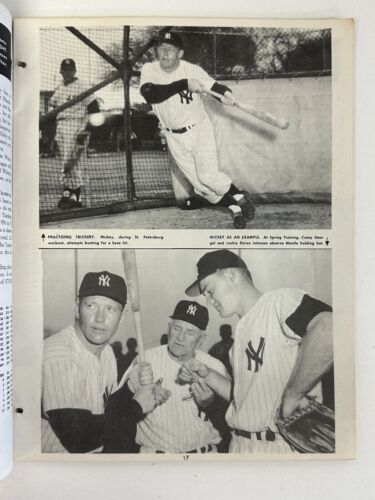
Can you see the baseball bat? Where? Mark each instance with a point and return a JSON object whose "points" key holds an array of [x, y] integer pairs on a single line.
{"points": [[261, 115], [131, 278]]}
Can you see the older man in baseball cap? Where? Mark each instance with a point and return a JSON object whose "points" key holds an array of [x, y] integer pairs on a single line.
{"points": [[283, 346], [80, 399], [182, 424]]}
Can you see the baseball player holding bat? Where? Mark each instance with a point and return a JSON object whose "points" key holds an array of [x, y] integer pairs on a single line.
{"points": [[173, 87], [283, 346], [83, 409], [72, 136]]}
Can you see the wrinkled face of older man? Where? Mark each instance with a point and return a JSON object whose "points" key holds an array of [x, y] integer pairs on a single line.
{"points": [[183, 339]]}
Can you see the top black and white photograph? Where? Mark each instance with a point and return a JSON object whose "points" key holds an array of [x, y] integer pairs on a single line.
{"points": [[181, 127]]}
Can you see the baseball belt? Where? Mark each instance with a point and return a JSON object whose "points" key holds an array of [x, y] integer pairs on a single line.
{"points": [[180, 130], [203, 449], [267, 435]]}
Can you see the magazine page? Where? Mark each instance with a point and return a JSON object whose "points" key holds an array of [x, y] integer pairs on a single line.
{"points": [[186, 276], [6, 435]]}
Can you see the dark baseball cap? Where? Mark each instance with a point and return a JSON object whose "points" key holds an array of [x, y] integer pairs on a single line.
{"points": [[105, 284], [172, 38], [68, 64], [212, 262], [191, 312]]}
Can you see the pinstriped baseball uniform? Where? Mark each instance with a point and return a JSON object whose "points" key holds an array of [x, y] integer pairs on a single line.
{"points": [[70, 123], [75, 378], [195, 150], [177, 425], [263, 355]]}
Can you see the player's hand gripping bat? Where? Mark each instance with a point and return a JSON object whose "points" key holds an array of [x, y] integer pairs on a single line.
{"points": [[131, 277], [261, 115]]}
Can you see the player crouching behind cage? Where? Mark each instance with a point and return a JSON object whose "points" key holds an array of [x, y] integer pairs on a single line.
{"points": [[72, 136], [83, 409], [173, 87]]}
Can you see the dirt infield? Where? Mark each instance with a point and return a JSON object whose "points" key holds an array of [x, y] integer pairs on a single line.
{"points": [[268, 216]]}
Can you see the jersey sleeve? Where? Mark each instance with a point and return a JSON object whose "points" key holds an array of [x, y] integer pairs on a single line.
{"points": [[201, 75], [53, 101], [63, 386], [87, 100], [147, 74], [220, 368], [297, 309], [214, 364]]}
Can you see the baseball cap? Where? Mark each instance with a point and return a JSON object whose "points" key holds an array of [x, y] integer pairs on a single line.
{"points": [[171, 38], [105, 284], [191, 312], [68, 64], [212, 262]]}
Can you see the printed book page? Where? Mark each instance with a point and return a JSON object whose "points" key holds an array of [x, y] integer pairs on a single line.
{"points": [[6, 431], [184, 286]]}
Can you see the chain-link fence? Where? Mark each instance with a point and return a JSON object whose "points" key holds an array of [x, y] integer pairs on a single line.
{"points": [[247, 53], [124, 163]]}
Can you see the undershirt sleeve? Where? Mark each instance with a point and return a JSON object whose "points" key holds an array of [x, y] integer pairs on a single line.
{"points": [[81, 431], [93, 107], [201, 75], [63, 385], [220, 89], [154, 93], [305, 312]]}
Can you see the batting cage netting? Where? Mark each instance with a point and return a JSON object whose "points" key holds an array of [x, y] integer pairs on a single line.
{"points": [[117, 159]]}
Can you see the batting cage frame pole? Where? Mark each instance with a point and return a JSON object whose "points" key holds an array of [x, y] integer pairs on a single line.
{"points": [[115, 75], [94, 47], [123, 70], [127, 71]]}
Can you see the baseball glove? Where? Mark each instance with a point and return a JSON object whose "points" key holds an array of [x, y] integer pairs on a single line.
{"points": [[310, 429]]}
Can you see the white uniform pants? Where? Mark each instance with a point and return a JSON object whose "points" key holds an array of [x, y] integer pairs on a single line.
{"points": [[66, 137], [147, 449], [239, 444], [196, 155]]}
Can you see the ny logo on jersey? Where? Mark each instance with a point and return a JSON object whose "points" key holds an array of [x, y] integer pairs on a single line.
{"points": [[191, 310], [104, 280], [255, 356], [185, 96]]}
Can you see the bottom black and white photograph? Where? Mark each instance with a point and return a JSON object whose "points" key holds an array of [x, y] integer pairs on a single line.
{"points": [[176, 351]]}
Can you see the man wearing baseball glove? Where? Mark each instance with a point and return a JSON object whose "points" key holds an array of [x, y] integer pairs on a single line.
{"points": [[283, 346]]}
